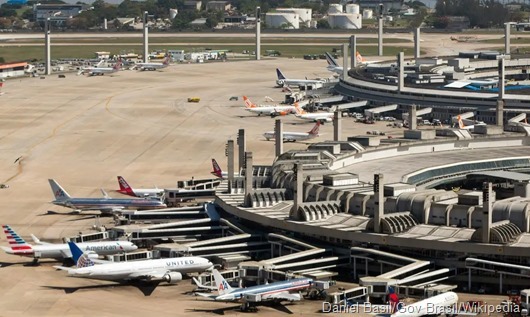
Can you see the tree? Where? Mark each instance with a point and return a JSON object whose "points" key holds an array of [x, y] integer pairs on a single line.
{"points": [[183, 19], [323, 24]]}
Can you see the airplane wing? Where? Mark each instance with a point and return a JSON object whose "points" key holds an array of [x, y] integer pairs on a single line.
{"points": [[210, 296], [37, 240], [283, 296]]}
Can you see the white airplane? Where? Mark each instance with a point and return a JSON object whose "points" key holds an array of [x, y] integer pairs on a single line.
{"points": [[273, 111], [277, 291], [295, 136], [99, 71], [333, 66], [284, 81], [18, 246], [316, 116], [152, 66], [169, 270], [217, 171], [443, 304], [137, 192]]}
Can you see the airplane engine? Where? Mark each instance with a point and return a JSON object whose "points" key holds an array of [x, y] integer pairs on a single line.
{"points": [[280, 82], [172, 277]]}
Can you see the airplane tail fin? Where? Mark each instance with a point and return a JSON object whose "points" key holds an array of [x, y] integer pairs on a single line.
{"points": [[331, 61], [248, 103], [58, 191], [104, 193], [216, 169], [117, 66], [222, 285], [124, 187], [359, 57], [299, 109], [280, 74], [81, 259], [16, 243], [315, 129], [460, 122]]}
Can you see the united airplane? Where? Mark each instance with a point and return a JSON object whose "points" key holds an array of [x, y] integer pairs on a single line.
{"points": [[277, 291], [295, 136], [284, 81], [169, 270], [137, 192], [19, 246], [105, 204]]}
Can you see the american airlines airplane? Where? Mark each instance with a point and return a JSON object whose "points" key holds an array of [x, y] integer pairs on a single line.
{"points": [[295, 136], [277, 291], [316, 116], [169, 270], [443, 304], [153, 66], [19, 246], [273, 111], [284, 81], [137, 192], [94, 71], [105, 204]]}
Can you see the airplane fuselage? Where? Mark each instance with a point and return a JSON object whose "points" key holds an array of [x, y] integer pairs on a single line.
{"points": [[110, 203], [62, 251], [436, 305], [291, 136], [126, 270], [142, 192], [268, 289]]}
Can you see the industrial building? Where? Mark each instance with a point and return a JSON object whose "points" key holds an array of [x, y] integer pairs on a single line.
{"points": [[12, 69]]}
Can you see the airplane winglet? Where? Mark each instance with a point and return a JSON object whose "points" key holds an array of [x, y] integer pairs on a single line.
{"points": [[105, 195]]}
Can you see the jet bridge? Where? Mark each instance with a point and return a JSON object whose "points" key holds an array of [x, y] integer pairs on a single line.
{"points": [[350, 105], [419, 112], [230, 245]]}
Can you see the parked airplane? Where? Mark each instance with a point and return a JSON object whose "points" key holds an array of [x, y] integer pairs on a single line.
{"points": [[19, 246], [153, 66], [105, 204], [217, 171], [277, 291], [284, 81], [137, 192], [169, 270], [94, 71], [295, 136], [316, 116], [273, 111], [333, 66], [445, 304]]}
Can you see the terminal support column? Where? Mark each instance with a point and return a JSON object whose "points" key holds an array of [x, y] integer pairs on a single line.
{"points": [[47, 45], [298, 190], [258, 33], [230, 155], [248, 178], [344, 60], [487, 208], [242, 147], [380, 30], [417, 44], [337, 125], [353, 51], [379, 202], [278, 137], [146, 38], [412, 118], [401, 75]]}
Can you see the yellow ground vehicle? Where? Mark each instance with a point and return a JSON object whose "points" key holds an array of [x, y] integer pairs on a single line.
{"points": [[194, 99]]}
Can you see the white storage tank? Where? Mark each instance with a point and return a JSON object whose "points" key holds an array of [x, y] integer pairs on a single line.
{"points": [[303, 14], [280, 20], [173, 13], [345, 21], [368, 14], [352, 8], [335, 8]]}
